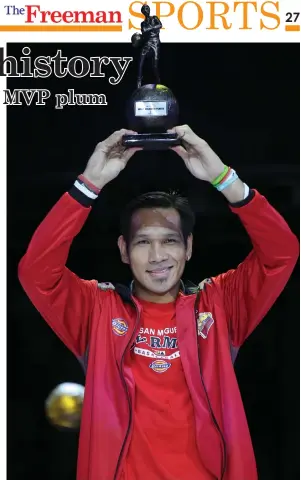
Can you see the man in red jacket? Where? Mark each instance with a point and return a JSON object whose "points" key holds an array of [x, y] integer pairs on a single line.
{"points": [[161, 397]]}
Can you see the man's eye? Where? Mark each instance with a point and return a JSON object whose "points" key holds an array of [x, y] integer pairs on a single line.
{"points": [[170, 240], [142, 242]]}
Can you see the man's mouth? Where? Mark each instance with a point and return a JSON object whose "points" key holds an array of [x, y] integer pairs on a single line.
{"points": [[159, 272]]}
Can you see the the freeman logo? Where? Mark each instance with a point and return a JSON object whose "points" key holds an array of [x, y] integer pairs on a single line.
{"points": [[205, 321], [119, 326], [160, 366]]}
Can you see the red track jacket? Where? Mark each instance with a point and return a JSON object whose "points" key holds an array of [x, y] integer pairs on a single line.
{"points": [[212, 324]]}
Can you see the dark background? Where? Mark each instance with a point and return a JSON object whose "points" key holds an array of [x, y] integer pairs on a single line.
{"points": [[244, 100]]}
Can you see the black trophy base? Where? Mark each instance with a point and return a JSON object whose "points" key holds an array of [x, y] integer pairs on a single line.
{"points": [[151, 141]]}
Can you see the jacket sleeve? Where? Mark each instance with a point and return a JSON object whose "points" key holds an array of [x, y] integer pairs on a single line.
{"points": [[63, 299], [250, 290]]}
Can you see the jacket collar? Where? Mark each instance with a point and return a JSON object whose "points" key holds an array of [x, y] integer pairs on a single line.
{"points": [[125, 292]]}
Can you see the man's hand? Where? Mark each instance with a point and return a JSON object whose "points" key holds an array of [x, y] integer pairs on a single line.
{"points": [[199, 158], [108, 159], [203, 163]]}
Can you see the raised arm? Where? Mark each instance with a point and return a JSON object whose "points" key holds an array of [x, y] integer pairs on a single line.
{"points": [[250, 290], [63, 299]]}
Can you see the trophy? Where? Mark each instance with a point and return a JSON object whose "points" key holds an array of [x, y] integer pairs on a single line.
{"points": [[152, 108]]}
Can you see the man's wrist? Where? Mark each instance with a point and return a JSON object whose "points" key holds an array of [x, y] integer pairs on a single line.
{"points": [[235, 192], [218, 174], [84, 191], [98, 182], [228, 183], [91, 186]]}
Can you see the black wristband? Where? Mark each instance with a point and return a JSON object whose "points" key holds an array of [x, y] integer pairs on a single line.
{"points": [[77, 192]]}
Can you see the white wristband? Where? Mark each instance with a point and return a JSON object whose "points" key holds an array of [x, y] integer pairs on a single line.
{"points": [[85, 190], [247, 191]]}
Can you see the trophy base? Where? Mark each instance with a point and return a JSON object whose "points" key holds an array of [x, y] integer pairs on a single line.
{"points": [[151, 141]]}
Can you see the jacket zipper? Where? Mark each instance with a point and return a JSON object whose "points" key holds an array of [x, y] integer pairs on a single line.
{"points": [[127, 391], [196, 310]]}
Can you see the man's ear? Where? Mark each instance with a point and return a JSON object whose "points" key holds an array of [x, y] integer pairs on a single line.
{"points": [[123, 250], [189, 247]]}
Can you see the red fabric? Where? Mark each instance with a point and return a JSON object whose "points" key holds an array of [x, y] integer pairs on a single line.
{"points": [[163, 444], [99, 327]]}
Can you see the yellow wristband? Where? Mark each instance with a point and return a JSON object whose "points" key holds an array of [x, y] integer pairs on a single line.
{"points": [[218, 179]]}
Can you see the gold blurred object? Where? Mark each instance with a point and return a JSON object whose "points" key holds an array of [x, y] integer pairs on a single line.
{"points": [[64, 405]]}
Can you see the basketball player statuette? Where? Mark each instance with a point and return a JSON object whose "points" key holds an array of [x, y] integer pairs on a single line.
{"points": [[152, 108]]}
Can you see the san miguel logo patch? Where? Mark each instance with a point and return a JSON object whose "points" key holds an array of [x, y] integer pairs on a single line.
{"points": [[119, 326], [205, 321], [160, 366]]}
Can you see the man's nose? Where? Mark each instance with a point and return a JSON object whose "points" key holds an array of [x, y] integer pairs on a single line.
{"points": [[157, 253]]}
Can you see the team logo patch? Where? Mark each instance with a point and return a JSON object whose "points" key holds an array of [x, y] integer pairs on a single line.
{"points": [[205, 321], [160, 366], [119, 326]]}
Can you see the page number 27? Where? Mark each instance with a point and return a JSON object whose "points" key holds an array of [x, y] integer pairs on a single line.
{"points": [[292, 17]]}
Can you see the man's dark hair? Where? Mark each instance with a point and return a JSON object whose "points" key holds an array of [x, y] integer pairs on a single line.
{"points": [[159, 200]]}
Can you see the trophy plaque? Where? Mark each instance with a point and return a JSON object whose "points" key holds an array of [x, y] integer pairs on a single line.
{"points": [[152, 108]]}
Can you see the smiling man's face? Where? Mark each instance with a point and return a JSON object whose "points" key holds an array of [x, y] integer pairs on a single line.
{"points": [[156, 253]]}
